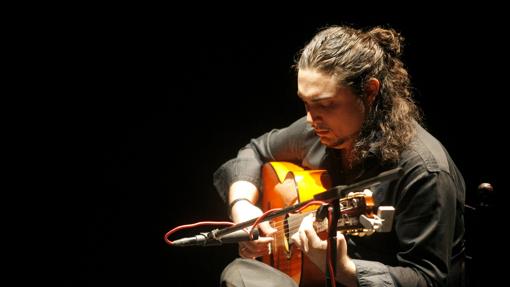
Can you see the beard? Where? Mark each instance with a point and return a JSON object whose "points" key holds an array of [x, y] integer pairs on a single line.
{"points": [[333, 141]]}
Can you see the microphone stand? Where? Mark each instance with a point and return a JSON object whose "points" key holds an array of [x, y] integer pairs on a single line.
{"points": [[334, 209]]}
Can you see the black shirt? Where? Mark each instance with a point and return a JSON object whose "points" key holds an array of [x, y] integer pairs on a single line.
{"points": [[425, 245]]}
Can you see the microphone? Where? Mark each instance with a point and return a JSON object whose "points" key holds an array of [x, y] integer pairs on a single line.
{"points": [[210, 239]]}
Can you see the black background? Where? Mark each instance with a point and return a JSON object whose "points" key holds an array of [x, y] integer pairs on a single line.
{"points": [[167, 101]]}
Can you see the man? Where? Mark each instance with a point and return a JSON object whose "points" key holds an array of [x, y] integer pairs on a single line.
{"points": [[360, 120]]}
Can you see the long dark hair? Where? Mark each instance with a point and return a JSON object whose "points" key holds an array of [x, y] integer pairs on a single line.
{"points": [[354, 56]]}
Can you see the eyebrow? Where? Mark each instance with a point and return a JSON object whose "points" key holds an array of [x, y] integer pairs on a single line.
{"points": [[314, 98]]}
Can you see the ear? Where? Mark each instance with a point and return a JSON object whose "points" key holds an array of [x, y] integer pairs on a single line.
{"points": [[371, 90]]}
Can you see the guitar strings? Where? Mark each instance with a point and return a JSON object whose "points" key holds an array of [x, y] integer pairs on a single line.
{"points": [[281, 223], [292, 225], [297, 217]]}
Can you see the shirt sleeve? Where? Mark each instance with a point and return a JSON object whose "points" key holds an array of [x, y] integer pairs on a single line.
{"points": [[372, 273], [287, 144]]}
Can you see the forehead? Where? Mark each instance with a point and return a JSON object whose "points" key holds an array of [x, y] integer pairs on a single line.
{"points": [[317, 86]]}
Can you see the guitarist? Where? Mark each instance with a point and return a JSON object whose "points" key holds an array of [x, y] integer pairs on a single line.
{"points": [[360, 120]]}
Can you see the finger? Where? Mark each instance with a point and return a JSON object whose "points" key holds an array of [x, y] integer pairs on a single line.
{"points": [[245, 253], [242, 246], [251, 253], [264, 239], [257, 248], [247, 250], [242, 250], [341, 241], [266, 228], [315, 241], [304, 240], [308, 221], [262, 242], [305, 228], [296, 240]]}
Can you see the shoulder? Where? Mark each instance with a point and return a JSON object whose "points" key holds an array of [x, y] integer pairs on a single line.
{"points": [[301, 125], [425, 152], [428, 173]]}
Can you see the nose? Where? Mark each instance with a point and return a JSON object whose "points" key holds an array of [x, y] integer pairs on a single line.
{"points": [[309, 118]]}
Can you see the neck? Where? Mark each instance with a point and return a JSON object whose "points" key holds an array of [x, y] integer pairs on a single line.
{"points": [[346, 158]]}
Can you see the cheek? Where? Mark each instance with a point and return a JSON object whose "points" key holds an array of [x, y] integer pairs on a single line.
{"points": [[356, 114], [347, 122]]}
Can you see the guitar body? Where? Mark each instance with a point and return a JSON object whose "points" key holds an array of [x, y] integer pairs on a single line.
{"points": [[286, 184]]}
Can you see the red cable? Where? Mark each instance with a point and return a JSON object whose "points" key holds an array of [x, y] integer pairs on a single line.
{"points": [[169, 242]]}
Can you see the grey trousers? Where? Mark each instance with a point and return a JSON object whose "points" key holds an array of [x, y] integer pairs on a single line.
{"points": [[250, 272]]}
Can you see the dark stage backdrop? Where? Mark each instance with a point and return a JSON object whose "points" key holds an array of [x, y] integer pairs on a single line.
{"points": [[172, 100]]}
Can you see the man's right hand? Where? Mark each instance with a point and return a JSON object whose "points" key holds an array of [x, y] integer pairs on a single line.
{"points": [[243, 211]]}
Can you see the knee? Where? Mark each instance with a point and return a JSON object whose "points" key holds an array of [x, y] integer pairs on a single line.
{"points": [[231, 275]]}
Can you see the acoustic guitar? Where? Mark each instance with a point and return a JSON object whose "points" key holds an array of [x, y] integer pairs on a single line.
{"points": [[285, 184]]}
